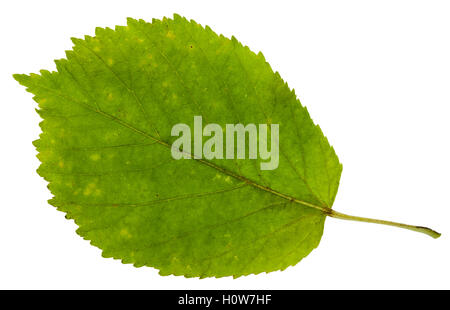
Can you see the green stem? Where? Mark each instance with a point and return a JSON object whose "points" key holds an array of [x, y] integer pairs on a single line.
{"points": [[425, 230]]}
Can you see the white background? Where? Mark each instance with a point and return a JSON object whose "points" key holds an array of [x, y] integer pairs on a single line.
{"points": [[374, 74]]}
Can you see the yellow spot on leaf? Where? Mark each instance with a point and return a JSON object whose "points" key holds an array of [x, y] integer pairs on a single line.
{"points": [[170, 35], [95, 157], [89, 189], [124, 232]]}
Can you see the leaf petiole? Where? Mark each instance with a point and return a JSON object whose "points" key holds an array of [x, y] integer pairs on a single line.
{"points": [[425, 230]]}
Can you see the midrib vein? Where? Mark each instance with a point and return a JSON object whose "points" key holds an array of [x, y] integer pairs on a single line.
{"points": [[324, 209]]}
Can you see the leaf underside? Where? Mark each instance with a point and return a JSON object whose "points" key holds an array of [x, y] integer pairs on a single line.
{"points": [[105, 151]]}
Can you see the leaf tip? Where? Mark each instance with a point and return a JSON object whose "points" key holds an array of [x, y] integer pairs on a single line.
{"points": [[21, 78]]}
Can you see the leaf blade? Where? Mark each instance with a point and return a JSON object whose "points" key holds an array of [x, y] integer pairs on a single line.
{"points": [[123, 88]]}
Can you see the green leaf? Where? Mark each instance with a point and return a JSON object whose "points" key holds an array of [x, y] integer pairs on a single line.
{"points": [[105, 150]]}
